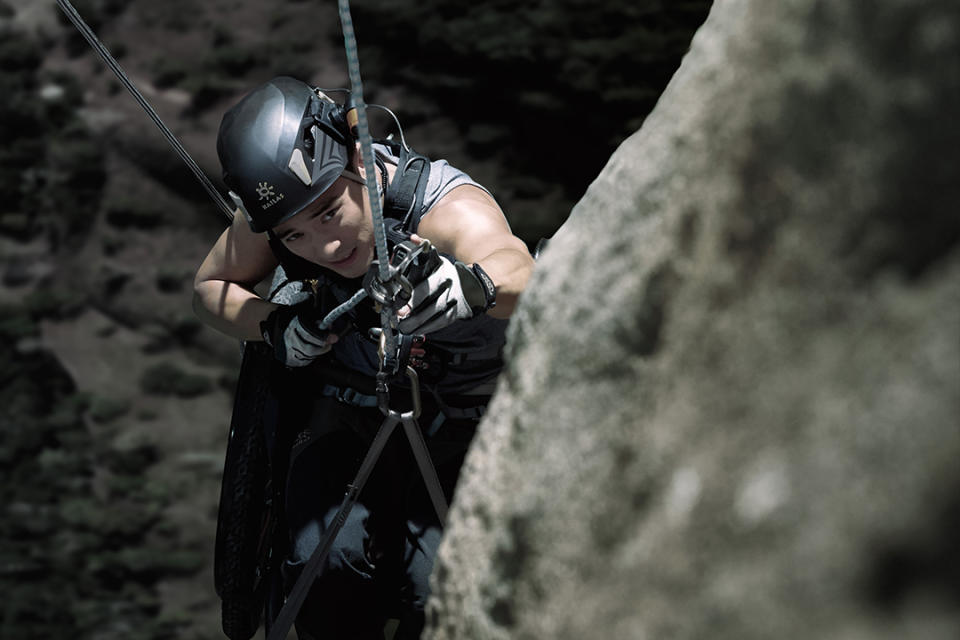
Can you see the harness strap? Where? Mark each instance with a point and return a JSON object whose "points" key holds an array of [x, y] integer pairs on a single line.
{"points": [[454, 413], [406, 190], [298, 593], [288, 612], [348, 395]]}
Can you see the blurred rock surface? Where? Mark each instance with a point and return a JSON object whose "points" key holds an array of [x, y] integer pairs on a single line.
{"points": [[733, 397]]}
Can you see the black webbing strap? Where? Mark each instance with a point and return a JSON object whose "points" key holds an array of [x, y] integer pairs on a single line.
{"points": [[427, 470], [407, 187], [288, 613]]}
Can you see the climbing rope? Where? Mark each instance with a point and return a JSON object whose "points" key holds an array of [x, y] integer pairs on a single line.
{"points": [[332, 317], [125, 80], [363, 128], [384, 291], [388, 316]]}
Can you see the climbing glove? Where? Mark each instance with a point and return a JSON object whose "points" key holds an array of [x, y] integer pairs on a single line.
{"points": [[451, 291], [293, 332]]}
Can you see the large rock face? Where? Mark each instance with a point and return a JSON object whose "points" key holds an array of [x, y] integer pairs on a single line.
{"points": [[733, 402]]}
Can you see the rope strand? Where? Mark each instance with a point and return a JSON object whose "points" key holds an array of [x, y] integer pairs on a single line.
{"points": [[356, 299], [111, 62], [387, 316]]}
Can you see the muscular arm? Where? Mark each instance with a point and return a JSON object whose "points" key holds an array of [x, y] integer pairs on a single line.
{"points": [[468, 224], [223, 295]]}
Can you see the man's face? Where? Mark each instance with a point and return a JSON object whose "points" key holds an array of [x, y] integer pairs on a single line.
{"points": [[334, 231]]}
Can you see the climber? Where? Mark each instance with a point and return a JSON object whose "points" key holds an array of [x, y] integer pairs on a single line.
{"points": [[304, 215]]}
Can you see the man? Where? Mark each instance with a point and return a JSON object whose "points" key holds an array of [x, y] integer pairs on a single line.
{"points": [[298, 178]]}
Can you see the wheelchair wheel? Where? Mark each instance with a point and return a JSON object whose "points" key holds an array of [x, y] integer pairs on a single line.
{"points": [[246, 518]]}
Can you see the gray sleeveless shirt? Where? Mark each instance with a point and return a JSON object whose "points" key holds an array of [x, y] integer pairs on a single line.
{"points": [[475, 344]]}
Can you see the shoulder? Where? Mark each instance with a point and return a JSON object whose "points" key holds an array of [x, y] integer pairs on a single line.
{"points": [[463, 206], [239, 255], [466, 222]]}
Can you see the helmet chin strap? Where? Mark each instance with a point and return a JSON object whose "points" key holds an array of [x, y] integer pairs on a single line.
{"points": [[356, 177]]}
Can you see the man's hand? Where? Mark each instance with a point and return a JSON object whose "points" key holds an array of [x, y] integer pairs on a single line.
{"points": [[293, 333], [451, 291]]}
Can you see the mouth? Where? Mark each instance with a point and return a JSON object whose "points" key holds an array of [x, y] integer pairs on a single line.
{"points": [[344, 261]]}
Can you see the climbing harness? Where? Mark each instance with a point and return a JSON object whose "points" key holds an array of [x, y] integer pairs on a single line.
{"points": [[388, 282]]}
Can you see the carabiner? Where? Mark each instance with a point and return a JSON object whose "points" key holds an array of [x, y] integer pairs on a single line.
{"points": [[383, 397]]}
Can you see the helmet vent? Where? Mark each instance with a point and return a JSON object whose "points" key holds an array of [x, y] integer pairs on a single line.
{"points": [[299, 167]]}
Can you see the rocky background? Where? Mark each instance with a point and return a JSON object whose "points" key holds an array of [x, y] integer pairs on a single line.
{"points": [[114, 400], [738, 417]]}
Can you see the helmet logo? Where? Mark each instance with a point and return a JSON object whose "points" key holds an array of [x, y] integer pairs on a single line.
{"points": [[264, 190]]}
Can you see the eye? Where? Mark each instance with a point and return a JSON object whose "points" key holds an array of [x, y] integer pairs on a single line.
{"points": [[291, 237], [329, 215]]}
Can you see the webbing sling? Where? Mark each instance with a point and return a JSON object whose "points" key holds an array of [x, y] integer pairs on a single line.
{"points": [[280, 627]]}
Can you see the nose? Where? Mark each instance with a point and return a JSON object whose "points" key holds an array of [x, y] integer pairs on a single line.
{"points": [[325, 249]]}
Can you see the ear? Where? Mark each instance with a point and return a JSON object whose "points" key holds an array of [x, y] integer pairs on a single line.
{"points": [[357, 162]]}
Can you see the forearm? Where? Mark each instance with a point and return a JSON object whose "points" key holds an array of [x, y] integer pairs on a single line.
{"points": [[510, 270], [231, 308]]}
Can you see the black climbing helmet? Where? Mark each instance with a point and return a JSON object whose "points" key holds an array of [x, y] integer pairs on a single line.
{"points": [[280, 147]]}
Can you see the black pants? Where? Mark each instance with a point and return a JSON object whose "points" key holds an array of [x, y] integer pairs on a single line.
{"points": [[380, 562]]}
